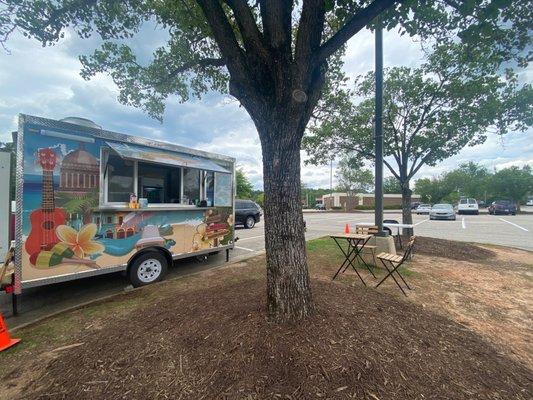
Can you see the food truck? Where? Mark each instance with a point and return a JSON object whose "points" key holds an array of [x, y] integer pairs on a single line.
{"points": [[91, 201]]}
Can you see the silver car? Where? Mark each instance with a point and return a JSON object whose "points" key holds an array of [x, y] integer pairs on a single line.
{"points": [[423, 209], [442, 211]]}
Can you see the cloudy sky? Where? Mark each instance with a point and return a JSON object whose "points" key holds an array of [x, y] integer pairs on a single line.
{"points": [[46, 82]]}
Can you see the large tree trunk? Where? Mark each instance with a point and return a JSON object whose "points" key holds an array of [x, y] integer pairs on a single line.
{"points": [[288, 286], [407, 215]]}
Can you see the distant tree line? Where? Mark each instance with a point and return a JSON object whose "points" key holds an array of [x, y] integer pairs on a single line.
{"points": [[473, 180], [245, 189]]}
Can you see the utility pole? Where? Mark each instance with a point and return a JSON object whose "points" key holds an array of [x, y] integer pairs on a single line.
{"points": [[378, 126]]}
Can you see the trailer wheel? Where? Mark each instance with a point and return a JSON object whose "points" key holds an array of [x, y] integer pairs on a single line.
{"points": [[148, 268]]}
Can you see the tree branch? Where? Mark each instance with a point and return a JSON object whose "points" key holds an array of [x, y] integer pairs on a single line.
{"points": [[425, 113], [310, 31], [204, 62], [372, 155], [225, 38], [393, 172], [354, 25], [277, 21], [396, 136], [252, 37], [422, 162]]}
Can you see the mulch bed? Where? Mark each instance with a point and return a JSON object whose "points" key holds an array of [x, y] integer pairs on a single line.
{"points": [[216, 343], [460, 251]]}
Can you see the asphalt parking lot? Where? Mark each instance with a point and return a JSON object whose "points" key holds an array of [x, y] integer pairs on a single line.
{"points": [[505, 230], [514, 231]]}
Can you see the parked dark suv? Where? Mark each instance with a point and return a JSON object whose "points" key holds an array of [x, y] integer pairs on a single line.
{"points": [[502, 207], [247, 213]]}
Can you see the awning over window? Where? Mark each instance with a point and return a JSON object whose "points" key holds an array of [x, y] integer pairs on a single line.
{"points": [[141, 153]]}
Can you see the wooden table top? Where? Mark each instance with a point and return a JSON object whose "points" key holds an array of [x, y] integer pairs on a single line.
{"points": [[357, 236]]}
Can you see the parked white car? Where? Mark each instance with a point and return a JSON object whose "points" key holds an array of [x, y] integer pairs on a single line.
{"points": [[423, 209], [468, 206], [529, 202]]}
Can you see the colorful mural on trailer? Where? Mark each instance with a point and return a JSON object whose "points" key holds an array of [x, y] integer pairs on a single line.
{"points": [[63, 230]]}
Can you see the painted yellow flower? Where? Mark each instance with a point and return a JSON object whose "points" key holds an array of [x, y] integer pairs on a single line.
{"points": [[80, 242]]}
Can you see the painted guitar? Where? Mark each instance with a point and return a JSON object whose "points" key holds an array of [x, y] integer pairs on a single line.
{"points": [[45, 220]]}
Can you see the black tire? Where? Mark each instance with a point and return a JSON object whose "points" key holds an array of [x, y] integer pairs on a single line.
{"points": [[148, 268], [249, 223], [202, 258]]}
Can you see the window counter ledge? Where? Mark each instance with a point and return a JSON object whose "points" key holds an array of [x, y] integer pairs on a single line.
{"points": [[151, 208]]}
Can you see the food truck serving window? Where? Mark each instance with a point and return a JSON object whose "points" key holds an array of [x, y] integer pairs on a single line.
{"points": [[160, 181], [119, 179]]}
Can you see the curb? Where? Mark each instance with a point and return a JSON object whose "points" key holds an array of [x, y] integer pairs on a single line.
{"points": [[126, 292]]}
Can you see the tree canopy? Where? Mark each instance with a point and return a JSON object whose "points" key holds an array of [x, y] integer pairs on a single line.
{"points": [[430, 113], [211, 43]]}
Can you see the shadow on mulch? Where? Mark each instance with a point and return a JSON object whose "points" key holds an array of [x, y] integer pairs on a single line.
{"points": [[460, 251], [216, 343]]}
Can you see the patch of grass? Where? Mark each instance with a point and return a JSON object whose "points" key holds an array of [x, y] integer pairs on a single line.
{"points": [[321, 244]]}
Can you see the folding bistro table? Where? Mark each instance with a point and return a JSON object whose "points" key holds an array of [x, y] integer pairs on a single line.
{"points": [[356, 242]]}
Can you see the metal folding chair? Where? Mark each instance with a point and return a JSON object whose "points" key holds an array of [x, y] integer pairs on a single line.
{"points": [[368, 230], [392, 262]]}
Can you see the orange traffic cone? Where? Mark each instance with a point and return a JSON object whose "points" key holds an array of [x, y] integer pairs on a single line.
{"points": [[347, 229], [5, 340]]}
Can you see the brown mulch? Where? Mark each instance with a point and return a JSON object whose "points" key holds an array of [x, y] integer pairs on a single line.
{"points": [[215, 342], [460, 251]]}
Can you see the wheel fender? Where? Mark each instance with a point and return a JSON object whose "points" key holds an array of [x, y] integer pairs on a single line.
{"points": [[161, 250]]}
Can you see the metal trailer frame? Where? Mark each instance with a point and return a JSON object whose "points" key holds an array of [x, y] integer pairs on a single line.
{"points": [[25, 119]]}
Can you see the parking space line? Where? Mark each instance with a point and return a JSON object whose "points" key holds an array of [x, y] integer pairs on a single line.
{"points": [[512, 223], [244, 248], [463, 223], [421, 222], [248, 238]]}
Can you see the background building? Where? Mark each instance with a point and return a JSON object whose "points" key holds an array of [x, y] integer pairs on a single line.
{"points": [[348, 203]]}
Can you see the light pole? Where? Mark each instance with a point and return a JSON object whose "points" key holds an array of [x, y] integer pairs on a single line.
{"points": [[378, 130]]}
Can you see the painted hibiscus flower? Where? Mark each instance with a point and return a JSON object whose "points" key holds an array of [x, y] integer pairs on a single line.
{"points": [[81, 242]]}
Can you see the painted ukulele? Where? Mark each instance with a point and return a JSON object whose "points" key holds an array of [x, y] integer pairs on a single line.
{"points": [[45, 220]]}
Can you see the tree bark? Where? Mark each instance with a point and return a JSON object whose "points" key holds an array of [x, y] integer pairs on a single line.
{"points": [[288, 286], [407, 215]]}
